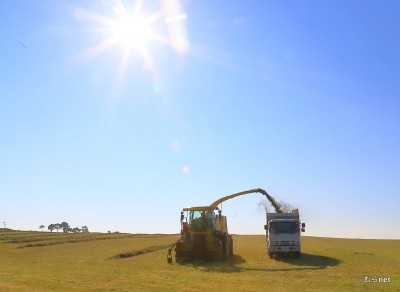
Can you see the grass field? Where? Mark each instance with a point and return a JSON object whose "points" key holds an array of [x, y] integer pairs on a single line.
{"points": [[43, 261]]}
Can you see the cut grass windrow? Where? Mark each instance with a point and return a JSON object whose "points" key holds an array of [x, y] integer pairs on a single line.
{"points": [[34, 237], [141, 251], [87, 238], [70, 241], [58, 237]]}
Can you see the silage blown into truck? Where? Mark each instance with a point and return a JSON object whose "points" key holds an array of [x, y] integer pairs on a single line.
{"points": [[283, 233]]}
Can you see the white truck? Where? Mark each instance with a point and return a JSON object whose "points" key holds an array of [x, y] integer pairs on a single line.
{"points": [[283, 233]]}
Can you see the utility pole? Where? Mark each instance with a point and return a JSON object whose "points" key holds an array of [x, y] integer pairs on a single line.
{"points": [[4, 224]]}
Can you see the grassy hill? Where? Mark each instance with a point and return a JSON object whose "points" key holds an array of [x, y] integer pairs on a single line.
{"points": [[43, 261]]}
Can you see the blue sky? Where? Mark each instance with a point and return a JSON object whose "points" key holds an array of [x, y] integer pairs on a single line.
{"points": [[300, 98]]}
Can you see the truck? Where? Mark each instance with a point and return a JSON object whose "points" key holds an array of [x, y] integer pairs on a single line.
{"points": [[283, 234]]}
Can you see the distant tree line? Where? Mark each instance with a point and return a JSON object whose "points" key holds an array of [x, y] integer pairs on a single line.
{"points": [[64, 226]]}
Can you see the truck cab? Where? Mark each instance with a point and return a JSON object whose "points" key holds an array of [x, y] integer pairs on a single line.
{"points": [[283, 234]]}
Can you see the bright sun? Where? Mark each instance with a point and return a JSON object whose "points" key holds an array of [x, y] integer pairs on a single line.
{"points": [[132, 30]]}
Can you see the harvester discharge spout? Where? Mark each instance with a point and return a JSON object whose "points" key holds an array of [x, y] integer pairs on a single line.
{"points": [[273, 202]]}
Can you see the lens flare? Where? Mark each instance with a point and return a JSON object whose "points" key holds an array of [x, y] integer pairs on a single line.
{"points": [[155, 88], [133, 30]]}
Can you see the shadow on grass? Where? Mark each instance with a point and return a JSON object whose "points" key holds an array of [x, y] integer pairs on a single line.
{"points": [[311, 260], [230, 266], [305, 262]]}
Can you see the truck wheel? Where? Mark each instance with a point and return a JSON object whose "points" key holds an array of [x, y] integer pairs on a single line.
{"points": [[271, 255]]}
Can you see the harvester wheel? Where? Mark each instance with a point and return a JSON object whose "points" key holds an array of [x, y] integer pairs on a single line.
{"points": [[179, 259], [224, 257], [225, 248], [222, 249], [230, 246]]}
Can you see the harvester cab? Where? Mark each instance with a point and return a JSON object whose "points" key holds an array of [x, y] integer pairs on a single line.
{"points": [[199, 220]]}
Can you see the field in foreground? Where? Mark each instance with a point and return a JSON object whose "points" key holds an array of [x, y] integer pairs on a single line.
{"points": [[43, 261]]}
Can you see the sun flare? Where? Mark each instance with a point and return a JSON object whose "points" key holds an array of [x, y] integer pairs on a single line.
{"points": [[132, 30]]}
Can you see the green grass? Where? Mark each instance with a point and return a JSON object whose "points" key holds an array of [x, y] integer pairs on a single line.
{"points": [[138, 262]]}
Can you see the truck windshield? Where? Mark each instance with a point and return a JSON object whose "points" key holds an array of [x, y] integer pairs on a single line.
{"points": [[284, 227]]}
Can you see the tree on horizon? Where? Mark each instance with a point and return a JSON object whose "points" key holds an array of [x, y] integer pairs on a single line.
{"points": [[65, 227], [51, 227], [76, 230]]}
